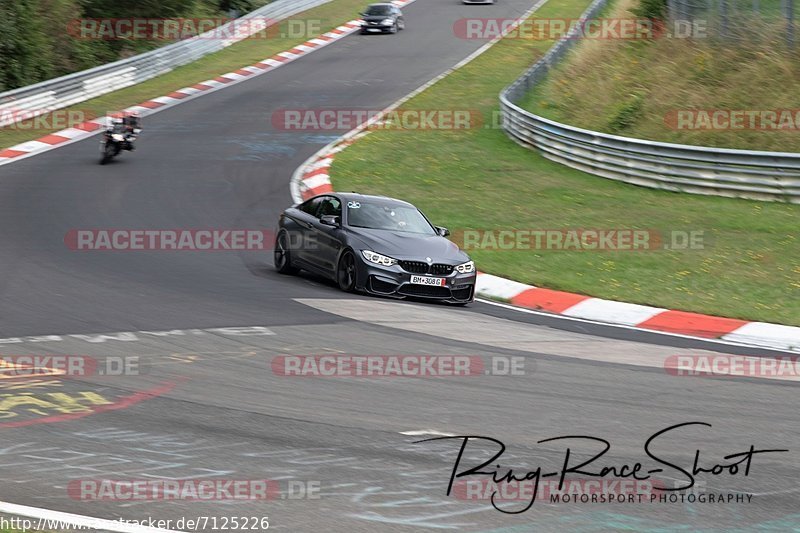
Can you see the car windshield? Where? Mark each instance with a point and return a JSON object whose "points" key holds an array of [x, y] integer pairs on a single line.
{"points": [[379, 10], [374, 215]]}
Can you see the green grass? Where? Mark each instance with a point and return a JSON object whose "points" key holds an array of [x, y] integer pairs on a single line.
{"points": [[244, 53], [629, 87], [480, 179]]}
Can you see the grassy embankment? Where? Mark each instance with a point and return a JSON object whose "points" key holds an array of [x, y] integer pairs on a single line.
{"points": [[635, 88]]}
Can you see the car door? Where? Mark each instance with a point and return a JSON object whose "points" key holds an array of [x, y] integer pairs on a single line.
{"points": [[301, 231], [328, 238]]}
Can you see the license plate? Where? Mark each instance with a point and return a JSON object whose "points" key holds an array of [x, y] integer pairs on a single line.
{"points": [[424, 280], [373, 29]]}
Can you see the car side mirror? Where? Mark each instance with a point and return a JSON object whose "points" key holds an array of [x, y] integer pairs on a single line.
{"points": [[444, 232], [331, 220]]}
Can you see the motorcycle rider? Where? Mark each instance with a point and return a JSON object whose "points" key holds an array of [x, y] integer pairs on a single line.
{"points": [[132, 123], [120, 134], [129, 125]]}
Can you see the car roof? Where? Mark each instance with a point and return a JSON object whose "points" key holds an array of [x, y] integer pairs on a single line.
{"points": [[348, 196]]}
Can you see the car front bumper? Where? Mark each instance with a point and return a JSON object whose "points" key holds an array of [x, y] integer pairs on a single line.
{"points": [[395, 282], [376, 27]]}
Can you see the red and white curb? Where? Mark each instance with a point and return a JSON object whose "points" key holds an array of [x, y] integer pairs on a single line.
{"points": [[644, 317], [93, 127], [313, 178]]}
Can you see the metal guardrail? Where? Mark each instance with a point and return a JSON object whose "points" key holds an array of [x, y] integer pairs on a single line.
{"points": [[756, 175], [49, 95]]}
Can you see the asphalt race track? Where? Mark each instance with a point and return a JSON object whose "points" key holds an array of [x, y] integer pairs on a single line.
{"points": [[207, 328]]}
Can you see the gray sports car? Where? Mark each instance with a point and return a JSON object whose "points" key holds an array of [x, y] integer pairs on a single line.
{"points": [[373, 244]]}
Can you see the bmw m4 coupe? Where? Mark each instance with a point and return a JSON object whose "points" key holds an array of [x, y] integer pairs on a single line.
{"points": [[373, 244]]}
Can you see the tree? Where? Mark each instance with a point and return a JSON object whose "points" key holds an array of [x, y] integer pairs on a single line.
{"points": [[25, 54]]}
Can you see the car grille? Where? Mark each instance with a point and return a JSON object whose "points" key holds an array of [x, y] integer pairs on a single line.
{"points": [[420, 267], [428, 291]]}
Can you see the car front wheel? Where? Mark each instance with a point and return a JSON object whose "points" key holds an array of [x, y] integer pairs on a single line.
{"points": [[346, 272]]}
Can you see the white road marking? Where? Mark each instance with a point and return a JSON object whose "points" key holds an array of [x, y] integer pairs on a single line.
{"points": [[133, 336], [423, 432], [81, 521]]}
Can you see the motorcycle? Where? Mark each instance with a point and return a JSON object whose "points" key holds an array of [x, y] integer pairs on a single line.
{"points": [[118, 137]]}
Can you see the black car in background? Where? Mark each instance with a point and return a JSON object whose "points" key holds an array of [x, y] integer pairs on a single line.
{"points": [[380, 18], [373, 244]]}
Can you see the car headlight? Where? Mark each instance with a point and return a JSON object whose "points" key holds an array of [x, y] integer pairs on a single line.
{"points": [[387, 22], [378, 259], [466, 268]]}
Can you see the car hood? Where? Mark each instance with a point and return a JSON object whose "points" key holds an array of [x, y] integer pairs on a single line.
{"points": [[377, 18], [409, 246]]}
